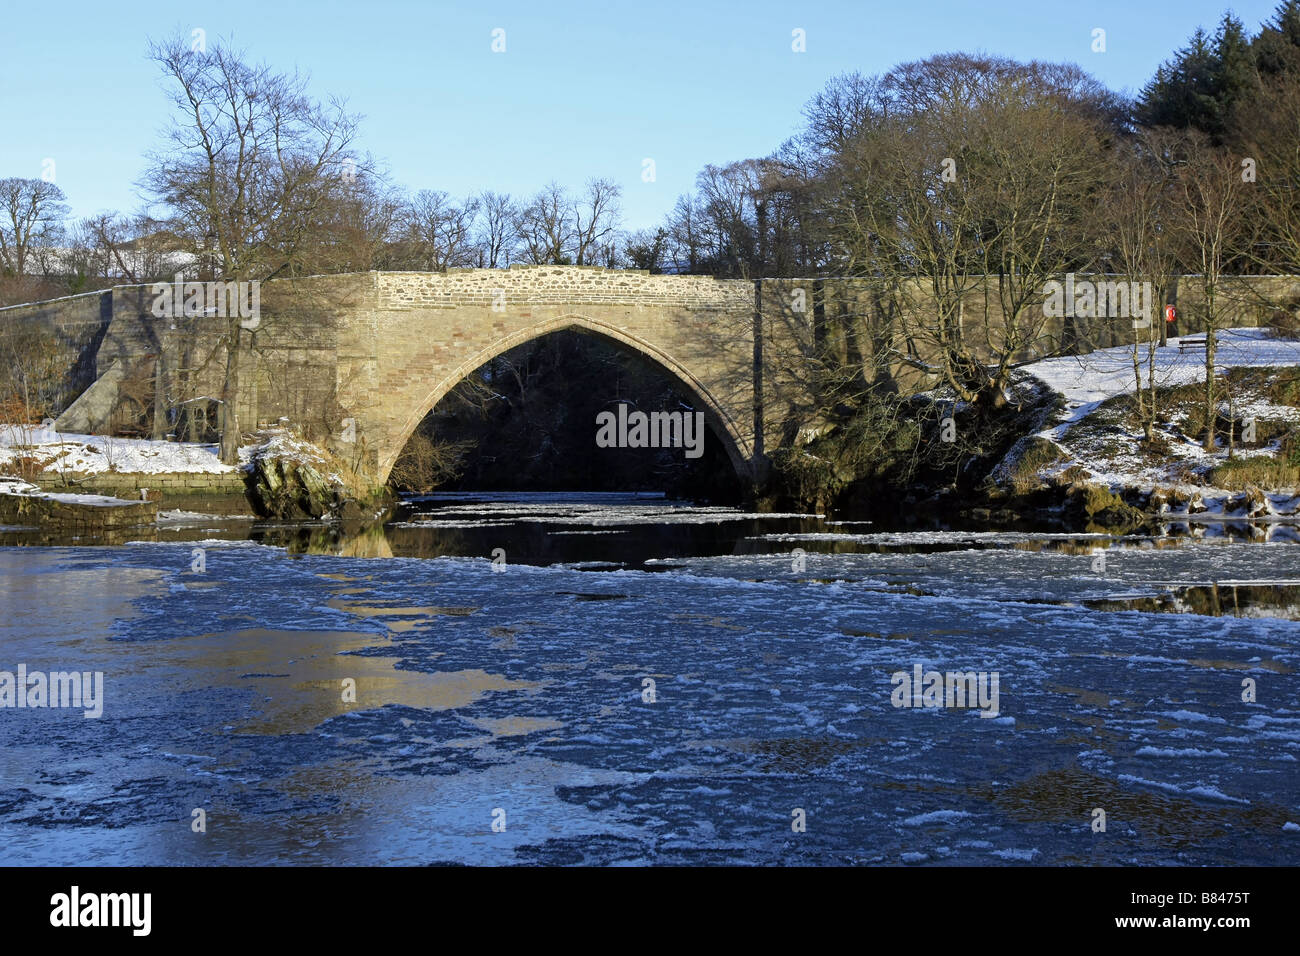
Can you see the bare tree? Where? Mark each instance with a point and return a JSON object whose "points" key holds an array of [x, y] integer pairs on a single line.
{"points": [[250, 166], [1137, 215], [31, 213], [686, 236], [968, 189], [1213, 221], [596, 217], [112, 247], [838, 113], [545, 227], [360, 223], [729, 199], [440, 229], [496, 235]]}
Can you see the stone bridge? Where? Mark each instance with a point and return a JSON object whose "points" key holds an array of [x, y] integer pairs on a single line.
{"points": [[356, 361], [420, 334]]}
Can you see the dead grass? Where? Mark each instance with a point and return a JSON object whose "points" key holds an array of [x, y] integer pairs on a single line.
{"points": [[1258, 471], [1111, 435], [1039, 454]]}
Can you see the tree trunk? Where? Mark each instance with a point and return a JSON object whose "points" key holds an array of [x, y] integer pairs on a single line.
{"points": [[1173, 300], [1211, 407], [1138, 394], [160, 410], [230, 399]]}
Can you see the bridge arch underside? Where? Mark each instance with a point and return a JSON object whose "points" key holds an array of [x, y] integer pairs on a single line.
{"points": [[721, 422]]}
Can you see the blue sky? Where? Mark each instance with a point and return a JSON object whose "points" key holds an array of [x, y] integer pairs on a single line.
{"points": [[582, 90]]}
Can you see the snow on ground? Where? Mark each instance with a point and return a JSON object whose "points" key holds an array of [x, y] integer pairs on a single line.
{"points": [[1112, 454], [98, 454], [283, 444], [16, 486], [1105, 373]]}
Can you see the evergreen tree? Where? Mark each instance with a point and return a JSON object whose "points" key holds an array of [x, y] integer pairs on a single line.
{"points": [[1203, 84], [1181, 94], [1235, 78], [1277, 48]]}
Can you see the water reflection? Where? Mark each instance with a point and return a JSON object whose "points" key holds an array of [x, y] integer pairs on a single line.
{"points": [[296, 680], [608, 531], [1214, 600], [599, 533]]}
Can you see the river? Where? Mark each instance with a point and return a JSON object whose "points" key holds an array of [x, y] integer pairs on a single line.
{"points": [[620, 679]]}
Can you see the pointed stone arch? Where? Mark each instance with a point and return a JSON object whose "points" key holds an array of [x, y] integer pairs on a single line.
{"points": [[735, 440]]}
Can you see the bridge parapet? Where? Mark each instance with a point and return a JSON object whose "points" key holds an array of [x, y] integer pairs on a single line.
{"points": [[543, 285]]}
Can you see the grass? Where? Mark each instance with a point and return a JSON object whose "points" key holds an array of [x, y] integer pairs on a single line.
{"points": [[1039, 454], [1260, 472], [1281, 386], [1112, 434]]}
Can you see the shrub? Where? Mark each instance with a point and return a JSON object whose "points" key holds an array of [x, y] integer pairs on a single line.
{"points": [[1157, 444], [425, 464]]}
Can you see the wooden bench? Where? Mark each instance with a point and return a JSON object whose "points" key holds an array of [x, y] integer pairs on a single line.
{"points": [[1191, 344]]}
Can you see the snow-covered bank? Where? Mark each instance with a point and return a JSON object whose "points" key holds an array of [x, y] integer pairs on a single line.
{"points": [[67, 452], [1097, 439], [16, 487], [1106, 373], [25, 505], [57, 452], [279, 475]]}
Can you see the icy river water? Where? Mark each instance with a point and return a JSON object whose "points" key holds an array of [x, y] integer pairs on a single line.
{"points": [[523, 679]]}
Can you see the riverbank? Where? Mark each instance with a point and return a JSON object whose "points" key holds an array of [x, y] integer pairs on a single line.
{"points": [[1073, 446], [26, 506], [279, 477], [1109, 452], [1069, 448]]}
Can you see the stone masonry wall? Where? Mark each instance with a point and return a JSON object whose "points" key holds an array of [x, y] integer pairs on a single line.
{"points": [[425, 332], [356, 361], [76, 324], [543, 285], [66, 516], [221, 493]]}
